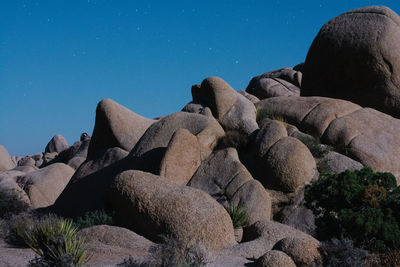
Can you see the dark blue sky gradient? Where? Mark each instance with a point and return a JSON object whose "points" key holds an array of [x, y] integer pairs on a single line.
{"points": [[58, 59]]}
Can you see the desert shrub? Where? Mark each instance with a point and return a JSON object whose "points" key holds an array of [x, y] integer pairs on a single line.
{"points": [[390, 257], [55, 241], [14, 227], [360, 205], [98, 217], [314, 145], [265, 114], [11, 202], [234, 139], [172, 253], [238, 215], [342, 253]]}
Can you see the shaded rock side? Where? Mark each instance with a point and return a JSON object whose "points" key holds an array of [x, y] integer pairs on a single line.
{"points": [[152, 205], [45, 185], [356, 56], [116, 126], [227, 180], [182, 157]]}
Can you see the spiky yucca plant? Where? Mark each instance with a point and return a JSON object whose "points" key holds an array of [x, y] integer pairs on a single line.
{"points": [[55, 241], [238, 215]]}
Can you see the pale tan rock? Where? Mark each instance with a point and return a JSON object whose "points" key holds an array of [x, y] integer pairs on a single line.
{"points": [[5, 160], [152, 205], [182, 157], [303, 251], [275, 258], [116, 126], [45, 185]]}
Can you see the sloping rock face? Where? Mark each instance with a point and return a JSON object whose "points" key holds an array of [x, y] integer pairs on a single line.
{"points": [[275, 258], [364, 134], [109, 245], [152, 205], [151, 148], [226, 179], [282, 82], [231, 109], [44, 186], [86, 191], [182, 157], [5, 160], [57, 144], [116, 126], [356, 56]]}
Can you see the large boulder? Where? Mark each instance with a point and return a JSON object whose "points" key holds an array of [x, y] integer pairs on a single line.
{"points": [[303, 251], [356, 56], [57, 144], [182, 157], [231, 109], [109, 245], [363, 134], [87, 189], [334, 162], [150, 149], [282, 82], [262, 236], [227, 180], [5, 160], [116, 126], [275, 258], [45, 185], [152, 205], [288, 165]]}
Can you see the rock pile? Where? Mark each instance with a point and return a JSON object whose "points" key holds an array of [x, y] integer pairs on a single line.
{"points": [[257, 149]]}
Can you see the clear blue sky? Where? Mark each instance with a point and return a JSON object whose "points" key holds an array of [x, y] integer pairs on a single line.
{"points": [[59, 58]]}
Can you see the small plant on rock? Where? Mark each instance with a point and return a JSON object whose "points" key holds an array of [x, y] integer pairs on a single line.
{"points": [[11, 202], [234, 139], [238, 215], [55, 241], [98, 217], [360, 205]]}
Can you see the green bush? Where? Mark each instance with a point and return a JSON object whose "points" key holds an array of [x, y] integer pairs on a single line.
{"points": [[14, 227], [360, 205], [98, 217], [55, 241], [238, 215]]}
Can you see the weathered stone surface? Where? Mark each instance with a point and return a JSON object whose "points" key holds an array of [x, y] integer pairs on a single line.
{"points": [[275, 258], [27, 161], [216, 94], [368, 136], [5, 160], [150, 149], [241, 116], [364, 134], [182, 157], [256, 201], [11, 192], [109, 245], [45, 185], [282, 82], [151, 205], [87, 188], [226, 179], [116, 126], [289, 165], [334, 162], [250, 97], [303, 251], [270, 132], [356, 56], [261, 237], [57, 144], [309, 114], [197, 108], [10, 256]]}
